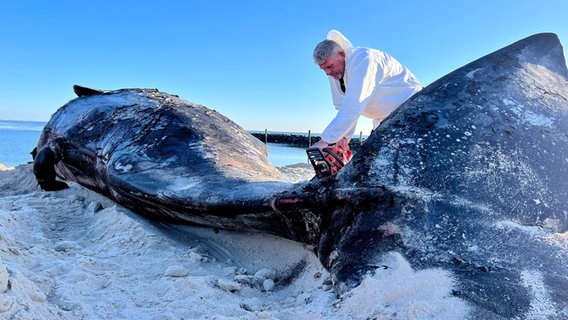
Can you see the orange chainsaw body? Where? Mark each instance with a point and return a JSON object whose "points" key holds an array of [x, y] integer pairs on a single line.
{"points": [[328, 161]]}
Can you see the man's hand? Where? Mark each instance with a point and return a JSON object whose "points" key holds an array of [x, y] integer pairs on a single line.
{"points": [[343, 143], [320, 144]]}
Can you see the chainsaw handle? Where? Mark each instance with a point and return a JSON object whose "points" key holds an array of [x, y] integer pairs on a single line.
{"points": [[334, 155]]}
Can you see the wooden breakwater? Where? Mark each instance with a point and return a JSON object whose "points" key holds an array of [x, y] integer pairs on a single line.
{"points": [[300, 140]]}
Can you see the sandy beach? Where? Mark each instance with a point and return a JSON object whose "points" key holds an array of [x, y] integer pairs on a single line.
{"points": [[74, 254]]}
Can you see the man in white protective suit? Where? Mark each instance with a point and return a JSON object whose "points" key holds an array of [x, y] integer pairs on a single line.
{"points": [[363, 81]]}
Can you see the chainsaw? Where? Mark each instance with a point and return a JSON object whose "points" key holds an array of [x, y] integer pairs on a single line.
{"points": [[328, 161]]}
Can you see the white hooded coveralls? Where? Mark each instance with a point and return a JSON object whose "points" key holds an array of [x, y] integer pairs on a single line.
{"points": [[376, 84]]}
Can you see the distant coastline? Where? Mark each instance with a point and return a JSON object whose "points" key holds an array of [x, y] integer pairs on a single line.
{"points": [[22, 125]]}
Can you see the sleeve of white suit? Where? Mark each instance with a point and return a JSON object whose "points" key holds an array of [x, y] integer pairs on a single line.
{"points": [[362, 76]]}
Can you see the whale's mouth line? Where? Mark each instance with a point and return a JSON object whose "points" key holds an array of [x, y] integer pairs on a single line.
{"points": [[293, 201]]}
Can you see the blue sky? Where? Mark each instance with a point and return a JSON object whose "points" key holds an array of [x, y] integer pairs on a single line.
{"points": [[249, 60]]}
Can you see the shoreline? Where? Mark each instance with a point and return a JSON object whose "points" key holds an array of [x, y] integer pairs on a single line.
{"points": [[5, 168]]}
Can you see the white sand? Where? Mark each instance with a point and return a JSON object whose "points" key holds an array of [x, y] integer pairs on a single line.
{"points": [[74, 254]]}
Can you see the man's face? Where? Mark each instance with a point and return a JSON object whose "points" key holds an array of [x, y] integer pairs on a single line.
{"points": [[334, 65]]}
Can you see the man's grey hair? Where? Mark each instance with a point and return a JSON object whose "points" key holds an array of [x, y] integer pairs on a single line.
{"points": [[324, 49]]}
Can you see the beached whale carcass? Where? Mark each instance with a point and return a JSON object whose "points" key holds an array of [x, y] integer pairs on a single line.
{"points": [[470, 175]]}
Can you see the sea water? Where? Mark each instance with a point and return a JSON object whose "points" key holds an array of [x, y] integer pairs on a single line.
{"points": [[19, 138], [283, 155]]}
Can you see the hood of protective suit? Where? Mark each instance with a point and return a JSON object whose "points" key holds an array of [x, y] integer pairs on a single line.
{"points": [[340, 39]]}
